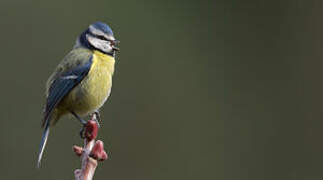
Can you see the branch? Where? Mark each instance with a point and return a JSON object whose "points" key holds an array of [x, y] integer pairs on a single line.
{"points": [[91, 153]]}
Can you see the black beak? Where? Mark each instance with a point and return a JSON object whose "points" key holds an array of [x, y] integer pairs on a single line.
{"points": [[114, 43]]}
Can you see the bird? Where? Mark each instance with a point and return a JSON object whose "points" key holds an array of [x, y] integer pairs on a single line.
{"points": [[82, 81]]}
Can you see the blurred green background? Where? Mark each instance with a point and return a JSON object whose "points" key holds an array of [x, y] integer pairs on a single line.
{"points": [[203, 89]]}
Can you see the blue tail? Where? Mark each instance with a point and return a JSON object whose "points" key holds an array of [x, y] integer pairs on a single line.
{"points": [[43, 143]]}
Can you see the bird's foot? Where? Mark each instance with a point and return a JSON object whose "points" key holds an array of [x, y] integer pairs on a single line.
{"points": [[96, 116], [82, 131], [89, 130]]}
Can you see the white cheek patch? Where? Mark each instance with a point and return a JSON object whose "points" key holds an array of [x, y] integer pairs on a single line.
{"points": [[100, 44]]}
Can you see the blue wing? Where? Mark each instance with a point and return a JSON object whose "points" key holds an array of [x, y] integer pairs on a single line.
{"points": [[62, 85]]}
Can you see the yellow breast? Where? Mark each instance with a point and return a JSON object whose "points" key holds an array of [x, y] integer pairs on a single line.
{"points": [[95, 88]]}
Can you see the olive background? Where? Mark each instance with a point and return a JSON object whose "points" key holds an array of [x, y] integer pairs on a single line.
{"points": [[216, 89]]}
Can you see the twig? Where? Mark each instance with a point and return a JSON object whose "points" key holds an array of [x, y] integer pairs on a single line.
{"points": [[91, 153]]}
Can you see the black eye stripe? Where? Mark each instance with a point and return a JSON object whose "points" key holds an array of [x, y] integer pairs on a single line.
{"points": [[101, 37]]}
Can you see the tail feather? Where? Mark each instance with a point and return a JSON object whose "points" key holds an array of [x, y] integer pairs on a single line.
{"points": [[43, 143]]}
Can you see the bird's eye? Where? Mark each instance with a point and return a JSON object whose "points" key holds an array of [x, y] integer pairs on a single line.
{"points": [[101, 37]]}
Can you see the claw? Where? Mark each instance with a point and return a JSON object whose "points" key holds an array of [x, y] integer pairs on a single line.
{"points": [[97, 117], [82, 131]]}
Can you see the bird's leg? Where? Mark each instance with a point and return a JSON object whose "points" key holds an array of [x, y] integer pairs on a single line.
{"points": [[97, 117], [83, 122]]}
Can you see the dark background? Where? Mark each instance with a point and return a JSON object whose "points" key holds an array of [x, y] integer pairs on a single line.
{"points": [[202, 90]]}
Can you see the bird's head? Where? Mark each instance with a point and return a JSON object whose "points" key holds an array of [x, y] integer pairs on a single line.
{"points": [[99, 36]]}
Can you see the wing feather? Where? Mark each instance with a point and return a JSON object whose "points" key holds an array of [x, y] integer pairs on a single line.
{"points": [[62, 85]]}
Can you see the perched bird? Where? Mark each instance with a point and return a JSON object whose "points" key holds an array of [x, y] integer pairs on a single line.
{"points": [[82, 81]]}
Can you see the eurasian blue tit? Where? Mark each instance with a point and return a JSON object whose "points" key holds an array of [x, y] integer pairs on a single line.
{"points": [[82, 81]]}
